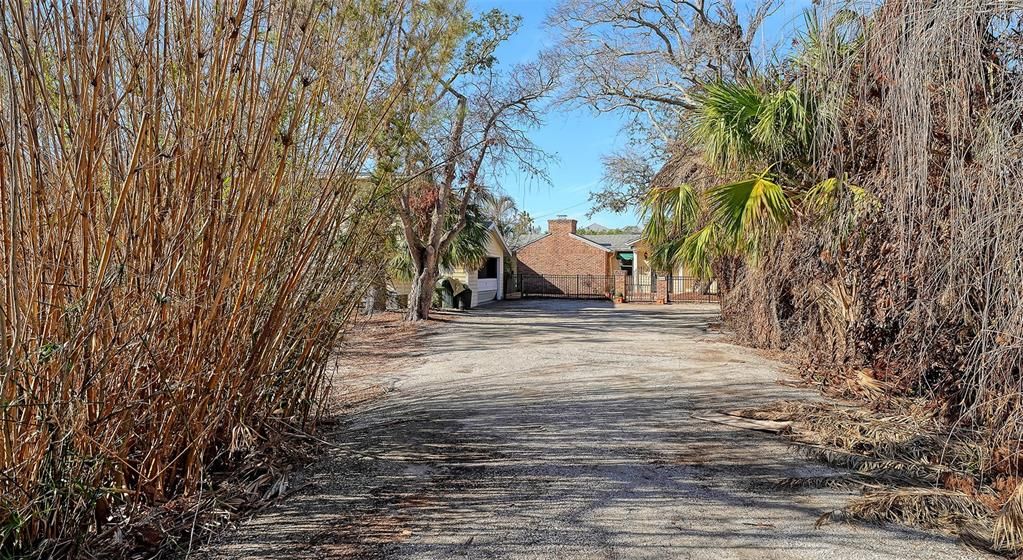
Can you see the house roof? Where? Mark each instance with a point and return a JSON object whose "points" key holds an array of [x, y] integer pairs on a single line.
{"points": [[523, 240], [608, 242], [586, 239], [614, 241]]}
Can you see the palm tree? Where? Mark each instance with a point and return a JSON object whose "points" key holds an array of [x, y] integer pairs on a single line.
{"points": [[756, 176], [470, 247], [745, 134], [501, 209], [468, 250], [750, 167]]}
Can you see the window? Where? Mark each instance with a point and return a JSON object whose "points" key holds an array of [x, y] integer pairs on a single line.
{"points": [[625, 261], [490, 269]]}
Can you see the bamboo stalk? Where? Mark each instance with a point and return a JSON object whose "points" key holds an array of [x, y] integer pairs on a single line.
{"points": [[173, 255]]}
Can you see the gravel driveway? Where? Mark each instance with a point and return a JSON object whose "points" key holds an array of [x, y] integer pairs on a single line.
{"points": [[567, 429]]}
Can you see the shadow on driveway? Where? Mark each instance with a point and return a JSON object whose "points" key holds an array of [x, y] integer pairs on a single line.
{"points": [[567, 429]]}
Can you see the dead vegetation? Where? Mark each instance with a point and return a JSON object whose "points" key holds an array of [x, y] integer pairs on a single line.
{"points": [[917, 308], [182, 227], [912, 468]]}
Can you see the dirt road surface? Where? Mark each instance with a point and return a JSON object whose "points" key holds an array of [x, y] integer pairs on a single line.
{"points": [[566, 430]]}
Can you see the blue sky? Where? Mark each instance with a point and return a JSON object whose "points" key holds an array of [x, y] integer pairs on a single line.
{"points": [[580, 137]]}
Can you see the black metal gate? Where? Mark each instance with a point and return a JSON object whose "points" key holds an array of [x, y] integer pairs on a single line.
{"points": [[641, 287], [682, 289], [574, 286]]}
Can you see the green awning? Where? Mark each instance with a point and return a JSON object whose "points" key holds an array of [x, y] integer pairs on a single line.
{"points": [[625, 257]]}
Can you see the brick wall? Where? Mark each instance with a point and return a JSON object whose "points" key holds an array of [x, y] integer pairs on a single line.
{"points": [[563, 253]]}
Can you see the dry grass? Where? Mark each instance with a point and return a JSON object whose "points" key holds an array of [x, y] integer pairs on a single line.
{"points": [[182, 231], [913, 469]]}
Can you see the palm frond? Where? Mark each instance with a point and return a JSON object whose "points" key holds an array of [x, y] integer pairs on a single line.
{"points": [[839, 35], [499, 208], [667, 212], [784, 124], [738, 125], [727, 115], [400, 266], [1008, 529], [469, 248], [921, 507], [751, 208], [698, 251], [830, 195]]}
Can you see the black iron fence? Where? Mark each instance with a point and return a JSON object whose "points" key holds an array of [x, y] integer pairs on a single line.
{"points": [[640, 287], [683, 289], [637, 288]]}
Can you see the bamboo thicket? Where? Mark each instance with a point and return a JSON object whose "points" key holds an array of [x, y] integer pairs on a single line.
{"points": [[181, 231]]}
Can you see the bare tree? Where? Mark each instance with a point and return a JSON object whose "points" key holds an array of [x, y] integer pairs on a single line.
{"points": [[627, 176], [645, 59], [436, 153]]}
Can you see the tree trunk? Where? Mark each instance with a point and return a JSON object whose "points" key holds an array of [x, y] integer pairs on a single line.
{"points": [[421, 297]]}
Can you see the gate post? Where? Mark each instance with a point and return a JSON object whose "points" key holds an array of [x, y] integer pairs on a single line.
{"points": [[662, 288]]}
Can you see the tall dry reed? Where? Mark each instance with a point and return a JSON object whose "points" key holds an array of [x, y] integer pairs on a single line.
{"points": [[950, 154], [927, 288], [182, 231]]}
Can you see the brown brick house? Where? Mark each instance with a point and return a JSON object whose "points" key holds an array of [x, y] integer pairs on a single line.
{"points": [[562, 251], [563, 262]]}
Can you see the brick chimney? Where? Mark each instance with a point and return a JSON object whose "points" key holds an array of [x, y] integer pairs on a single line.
{"points": [[561, 224]]}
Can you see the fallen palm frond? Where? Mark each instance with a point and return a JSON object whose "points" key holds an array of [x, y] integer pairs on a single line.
{"points": [[780, 411], [929, 508], [841, 480], [847, 426], [911, 468], [1008, 529], [738, 421], [875, 469]]}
